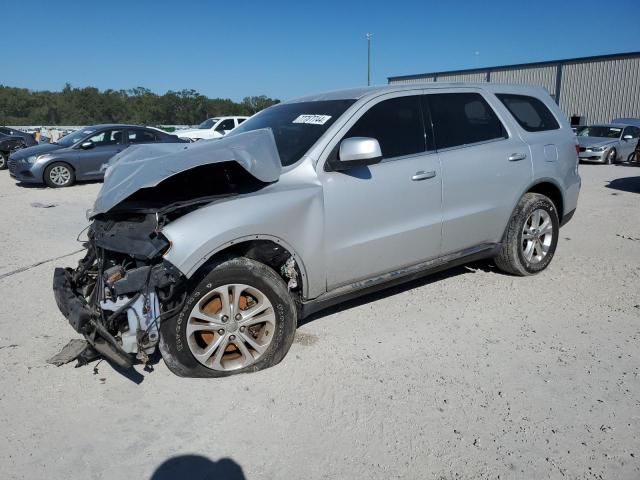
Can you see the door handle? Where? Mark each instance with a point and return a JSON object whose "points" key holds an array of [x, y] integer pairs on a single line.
{"points": [[422, 175], [514, 157]]}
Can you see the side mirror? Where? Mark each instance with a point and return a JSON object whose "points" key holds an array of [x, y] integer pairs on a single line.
{"points": [[87, 145], [627, 137], [357, 151]]}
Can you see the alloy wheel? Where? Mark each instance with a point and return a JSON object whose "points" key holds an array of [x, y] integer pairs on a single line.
{"points": [[537, 236], [60, 175], [230, 327]]}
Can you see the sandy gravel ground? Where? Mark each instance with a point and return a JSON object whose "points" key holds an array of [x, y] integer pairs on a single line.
{"points": [[469, 374]]}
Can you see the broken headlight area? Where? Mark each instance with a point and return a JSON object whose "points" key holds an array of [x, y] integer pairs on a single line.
{"points": [[122, 288]]}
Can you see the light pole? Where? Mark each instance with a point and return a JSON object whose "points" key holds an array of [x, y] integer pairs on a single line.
{"points": [[369, 35]]}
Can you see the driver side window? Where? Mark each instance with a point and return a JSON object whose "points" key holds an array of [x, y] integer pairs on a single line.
{"points": [[396, 124]]}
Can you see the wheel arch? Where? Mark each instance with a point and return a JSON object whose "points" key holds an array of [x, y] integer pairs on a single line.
{"points": [[550, 189], [267, 249]]}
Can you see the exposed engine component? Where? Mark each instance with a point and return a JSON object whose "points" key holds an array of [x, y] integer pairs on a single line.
{"points": [[143, 321], [289, 270]]}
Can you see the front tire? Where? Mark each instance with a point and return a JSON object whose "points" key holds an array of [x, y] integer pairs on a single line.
{"points": [[611, 157], [531, 237], [239, 318], [4, 158], [59, 175]]}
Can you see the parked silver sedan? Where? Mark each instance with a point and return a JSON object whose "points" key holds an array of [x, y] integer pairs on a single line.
{"points": [[607, 143]]}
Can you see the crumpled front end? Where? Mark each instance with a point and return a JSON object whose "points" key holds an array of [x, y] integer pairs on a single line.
{"points": [[123, 287], [120, 290]]}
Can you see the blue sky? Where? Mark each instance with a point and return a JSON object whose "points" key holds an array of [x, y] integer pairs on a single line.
{"points": [[286, 49]]}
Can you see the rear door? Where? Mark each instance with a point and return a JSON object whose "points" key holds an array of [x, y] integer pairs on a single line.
{"points": [[485, 168], [140, 135]]}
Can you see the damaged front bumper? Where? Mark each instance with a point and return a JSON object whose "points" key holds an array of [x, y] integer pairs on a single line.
{"points": [[85, 321], [117, 300]]}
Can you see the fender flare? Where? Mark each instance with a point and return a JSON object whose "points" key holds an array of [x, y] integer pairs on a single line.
{"points": [[246, 238]]}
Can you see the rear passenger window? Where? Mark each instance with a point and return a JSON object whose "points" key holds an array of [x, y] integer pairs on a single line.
{"points": [[396, 124], [463, 118], [531, 113], [142, 136]]}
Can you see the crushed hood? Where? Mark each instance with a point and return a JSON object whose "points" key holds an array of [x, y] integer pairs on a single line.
{"points": [[145, 166]]}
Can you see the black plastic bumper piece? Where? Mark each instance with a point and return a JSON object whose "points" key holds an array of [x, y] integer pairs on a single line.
{"points": [[81, 318], [70, 304]]}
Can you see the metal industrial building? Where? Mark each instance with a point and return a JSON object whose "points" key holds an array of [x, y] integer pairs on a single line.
{"points": [[588, 89]]}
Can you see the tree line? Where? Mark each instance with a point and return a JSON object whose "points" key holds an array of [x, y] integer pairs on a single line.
{"points": [[86, 106]]}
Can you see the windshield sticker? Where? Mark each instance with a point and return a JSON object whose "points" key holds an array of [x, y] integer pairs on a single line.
{"points": [[312, 119]]}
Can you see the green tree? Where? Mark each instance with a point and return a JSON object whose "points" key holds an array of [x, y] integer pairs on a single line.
{"points": [[255, 104], [139, 105]]}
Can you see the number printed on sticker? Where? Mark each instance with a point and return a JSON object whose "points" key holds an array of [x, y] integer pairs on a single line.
{"points": [[312, 119]]}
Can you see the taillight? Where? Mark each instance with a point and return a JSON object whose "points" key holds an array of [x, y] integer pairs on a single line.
{"points": [[577, 148]]}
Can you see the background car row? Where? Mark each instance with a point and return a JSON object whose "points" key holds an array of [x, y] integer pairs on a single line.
{"points": [[609, 142], [81, 154]]}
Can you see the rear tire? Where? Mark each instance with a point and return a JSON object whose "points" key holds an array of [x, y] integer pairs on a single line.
{"points": [[4, 158], [59, 175], [531, 238], [188, 340]]}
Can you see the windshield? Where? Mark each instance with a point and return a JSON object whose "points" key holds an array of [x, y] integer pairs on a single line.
{"points": [[296, 126], [75, 137], [207, 124], [600, 131]]}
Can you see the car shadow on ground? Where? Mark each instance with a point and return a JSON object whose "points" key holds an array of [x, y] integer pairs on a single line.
{"points": [[626, 184], [197, 466], [484, 265]]}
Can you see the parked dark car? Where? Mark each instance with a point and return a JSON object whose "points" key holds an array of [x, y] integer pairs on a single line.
{"points": [[12, 140], [81, 154]]}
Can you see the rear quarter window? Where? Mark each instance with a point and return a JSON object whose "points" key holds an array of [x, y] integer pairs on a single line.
{"points": [[529, 112]]}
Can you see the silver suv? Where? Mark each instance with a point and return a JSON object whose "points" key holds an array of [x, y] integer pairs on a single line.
{"points": [[214, 251]]}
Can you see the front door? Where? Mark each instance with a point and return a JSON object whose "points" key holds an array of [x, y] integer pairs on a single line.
{"points": [[106, 144], [383, 217], [628, 146]]}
